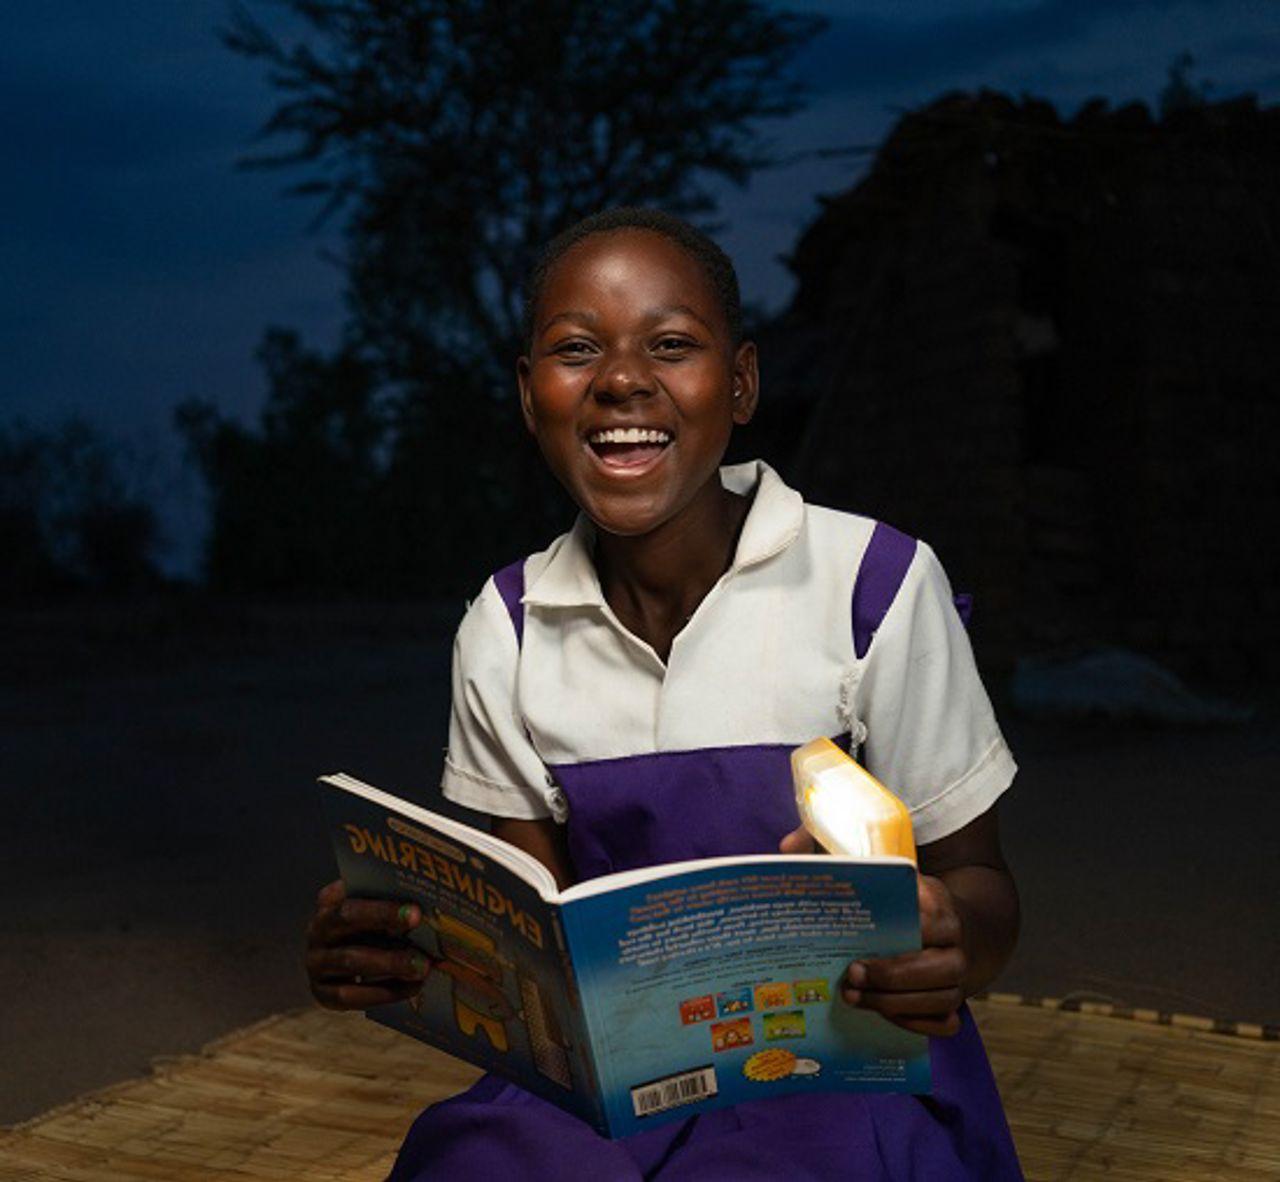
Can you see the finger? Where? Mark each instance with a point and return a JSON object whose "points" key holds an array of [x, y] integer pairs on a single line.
{"points": [[930, 968], [352, 962], [798, 841], [924, 1003], [350, 996], [357, 916]]}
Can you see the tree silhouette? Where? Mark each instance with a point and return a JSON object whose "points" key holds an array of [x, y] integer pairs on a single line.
{"points": [[1179, 92], [71, 514], [454, 138], [459, 137], [293, 500]]}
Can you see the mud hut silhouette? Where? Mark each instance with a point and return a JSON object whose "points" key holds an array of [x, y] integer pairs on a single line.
{"points": [[1050, 347]]}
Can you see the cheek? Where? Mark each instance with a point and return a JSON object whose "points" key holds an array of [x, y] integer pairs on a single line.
{"points": [[708, 392], [555, 394], [553, 419], [558, 445], [711, 416]]}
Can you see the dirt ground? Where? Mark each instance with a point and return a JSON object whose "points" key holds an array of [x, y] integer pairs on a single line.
{"points": [[161, 840]]}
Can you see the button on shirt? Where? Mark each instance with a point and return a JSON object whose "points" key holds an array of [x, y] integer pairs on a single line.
{"points": [[767, 658]]}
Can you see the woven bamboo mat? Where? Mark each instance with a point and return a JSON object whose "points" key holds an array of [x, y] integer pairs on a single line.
{"points": [[1134, 1098], [312, 1095]]}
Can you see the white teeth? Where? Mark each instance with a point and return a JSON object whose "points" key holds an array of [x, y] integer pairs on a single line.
{"points": [[629, 435]]}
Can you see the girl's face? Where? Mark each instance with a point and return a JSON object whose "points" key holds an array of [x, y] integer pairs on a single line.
{"points": [[633, 384]]}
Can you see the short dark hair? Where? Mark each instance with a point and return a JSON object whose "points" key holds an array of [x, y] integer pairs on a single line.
{"points": [[715, 264]]}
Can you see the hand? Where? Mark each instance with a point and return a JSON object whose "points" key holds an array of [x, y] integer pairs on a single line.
{"points": [[919, 991], [357, 955]]}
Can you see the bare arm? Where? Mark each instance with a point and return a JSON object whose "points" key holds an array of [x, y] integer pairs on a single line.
{"points": [[544, 839], [971, 865]]}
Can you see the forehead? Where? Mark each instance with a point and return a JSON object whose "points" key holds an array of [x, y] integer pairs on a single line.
{"points": [[630, 267]]}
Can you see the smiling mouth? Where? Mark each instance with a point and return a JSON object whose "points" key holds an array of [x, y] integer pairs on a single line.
{"points": [[629, 447]]}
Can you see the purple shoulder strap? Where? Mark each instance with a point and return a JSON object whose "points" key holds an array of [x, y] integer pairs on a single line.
{"points": [[510, 583], [884, 566]]}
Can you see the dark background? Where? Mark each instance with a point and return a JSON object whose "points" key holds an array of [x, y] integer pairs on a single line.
{"points": [[249, 472]]}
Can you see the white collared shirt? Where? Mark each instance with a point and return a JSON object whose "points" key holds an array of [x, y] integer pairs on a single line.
{"points": [[767, 658]]}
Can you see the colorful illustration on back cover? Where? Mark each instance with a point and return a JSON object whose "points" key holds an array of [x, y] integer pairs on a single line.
{"points": [[731, 1035], [765, 1066], [807, 992], [787, 1024], [773, 995], [778, 1063], [697, 1009], [733, 1001]]}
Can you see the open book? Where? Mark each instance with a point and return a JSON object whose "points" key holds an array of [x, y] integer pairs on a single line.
{"points": [[644, 995]]}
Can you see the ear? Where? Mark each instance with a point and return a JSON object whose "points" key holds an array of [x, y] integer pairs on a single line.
{"points": [[746, 383], [523, 370]]}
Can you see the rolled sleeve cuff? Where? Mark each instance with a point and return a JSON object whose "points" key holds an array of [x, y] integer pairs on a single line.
{"points": [[477, 792], [966, 799]]}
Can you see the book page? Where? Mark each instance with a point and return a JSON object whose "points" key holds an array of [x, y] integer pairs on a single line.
{"points": [[500, 993], [517, 860], [720, 984], [665, 870]]}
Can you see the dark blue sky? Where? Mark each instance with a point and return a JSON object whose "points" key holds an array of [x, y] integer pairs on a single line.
{"points": [[139, 266]]}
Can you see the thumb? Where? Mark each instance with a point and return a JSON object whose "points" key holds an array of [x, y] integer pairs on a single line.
{"points": [[332, 894], [798, 841]]}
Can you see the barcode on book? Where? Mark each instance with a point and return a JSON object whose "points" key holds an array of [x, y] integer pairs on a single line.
{"points": [[674, 1090]]}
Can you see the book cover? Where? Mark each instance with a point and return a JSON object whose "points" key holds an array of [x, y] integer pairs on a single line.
{"points": [[721, 984]]}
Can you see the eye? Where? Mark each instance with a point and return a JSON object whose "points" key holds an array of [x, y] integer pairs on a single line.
{"points": [[670, 346], [574, 350]]}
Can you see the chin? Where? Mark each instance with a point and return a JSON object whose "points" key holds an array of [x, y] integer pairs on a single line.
{"points": [[623, 526], [623, 520]]}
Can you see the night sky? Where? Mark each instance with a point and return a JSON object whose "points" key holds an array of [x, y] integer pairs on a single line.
{"points": [[139, 266]]}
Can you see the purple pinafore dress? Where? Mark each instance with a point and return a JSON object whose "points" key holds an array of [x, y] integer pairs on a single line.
{"points": [[619, 818]]}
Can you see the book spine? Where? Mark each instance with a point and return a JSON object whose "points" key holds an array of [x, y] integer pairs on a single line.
{"points": [[570, 977], [574, 995]]}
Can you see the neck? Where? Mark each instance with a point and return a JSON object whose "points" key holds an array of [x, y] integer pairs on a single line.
{"points": [[655, 581]]}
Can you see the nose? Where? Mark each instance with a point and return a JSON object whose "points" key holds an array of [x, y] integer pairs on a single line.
{"points": [[625, 374]]}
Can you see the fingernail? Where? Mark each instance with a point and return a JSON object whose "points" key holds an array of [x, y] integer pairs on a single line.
{"points": [[851, 996], [420, 964], [409, 915], [857, 975]]}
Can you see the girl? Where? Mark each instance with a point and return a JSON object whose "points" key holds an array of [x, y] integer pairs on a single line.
{"points": [[631, 694]]}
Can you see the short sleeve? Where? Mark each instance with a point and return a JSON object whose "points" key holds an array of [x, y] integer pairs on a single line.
{"points": [[932, 735], [491, 765]]}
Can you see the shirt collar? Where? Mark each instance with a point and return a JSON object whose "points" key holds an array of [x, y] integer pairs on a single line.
{"points": [[773, 522]]}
